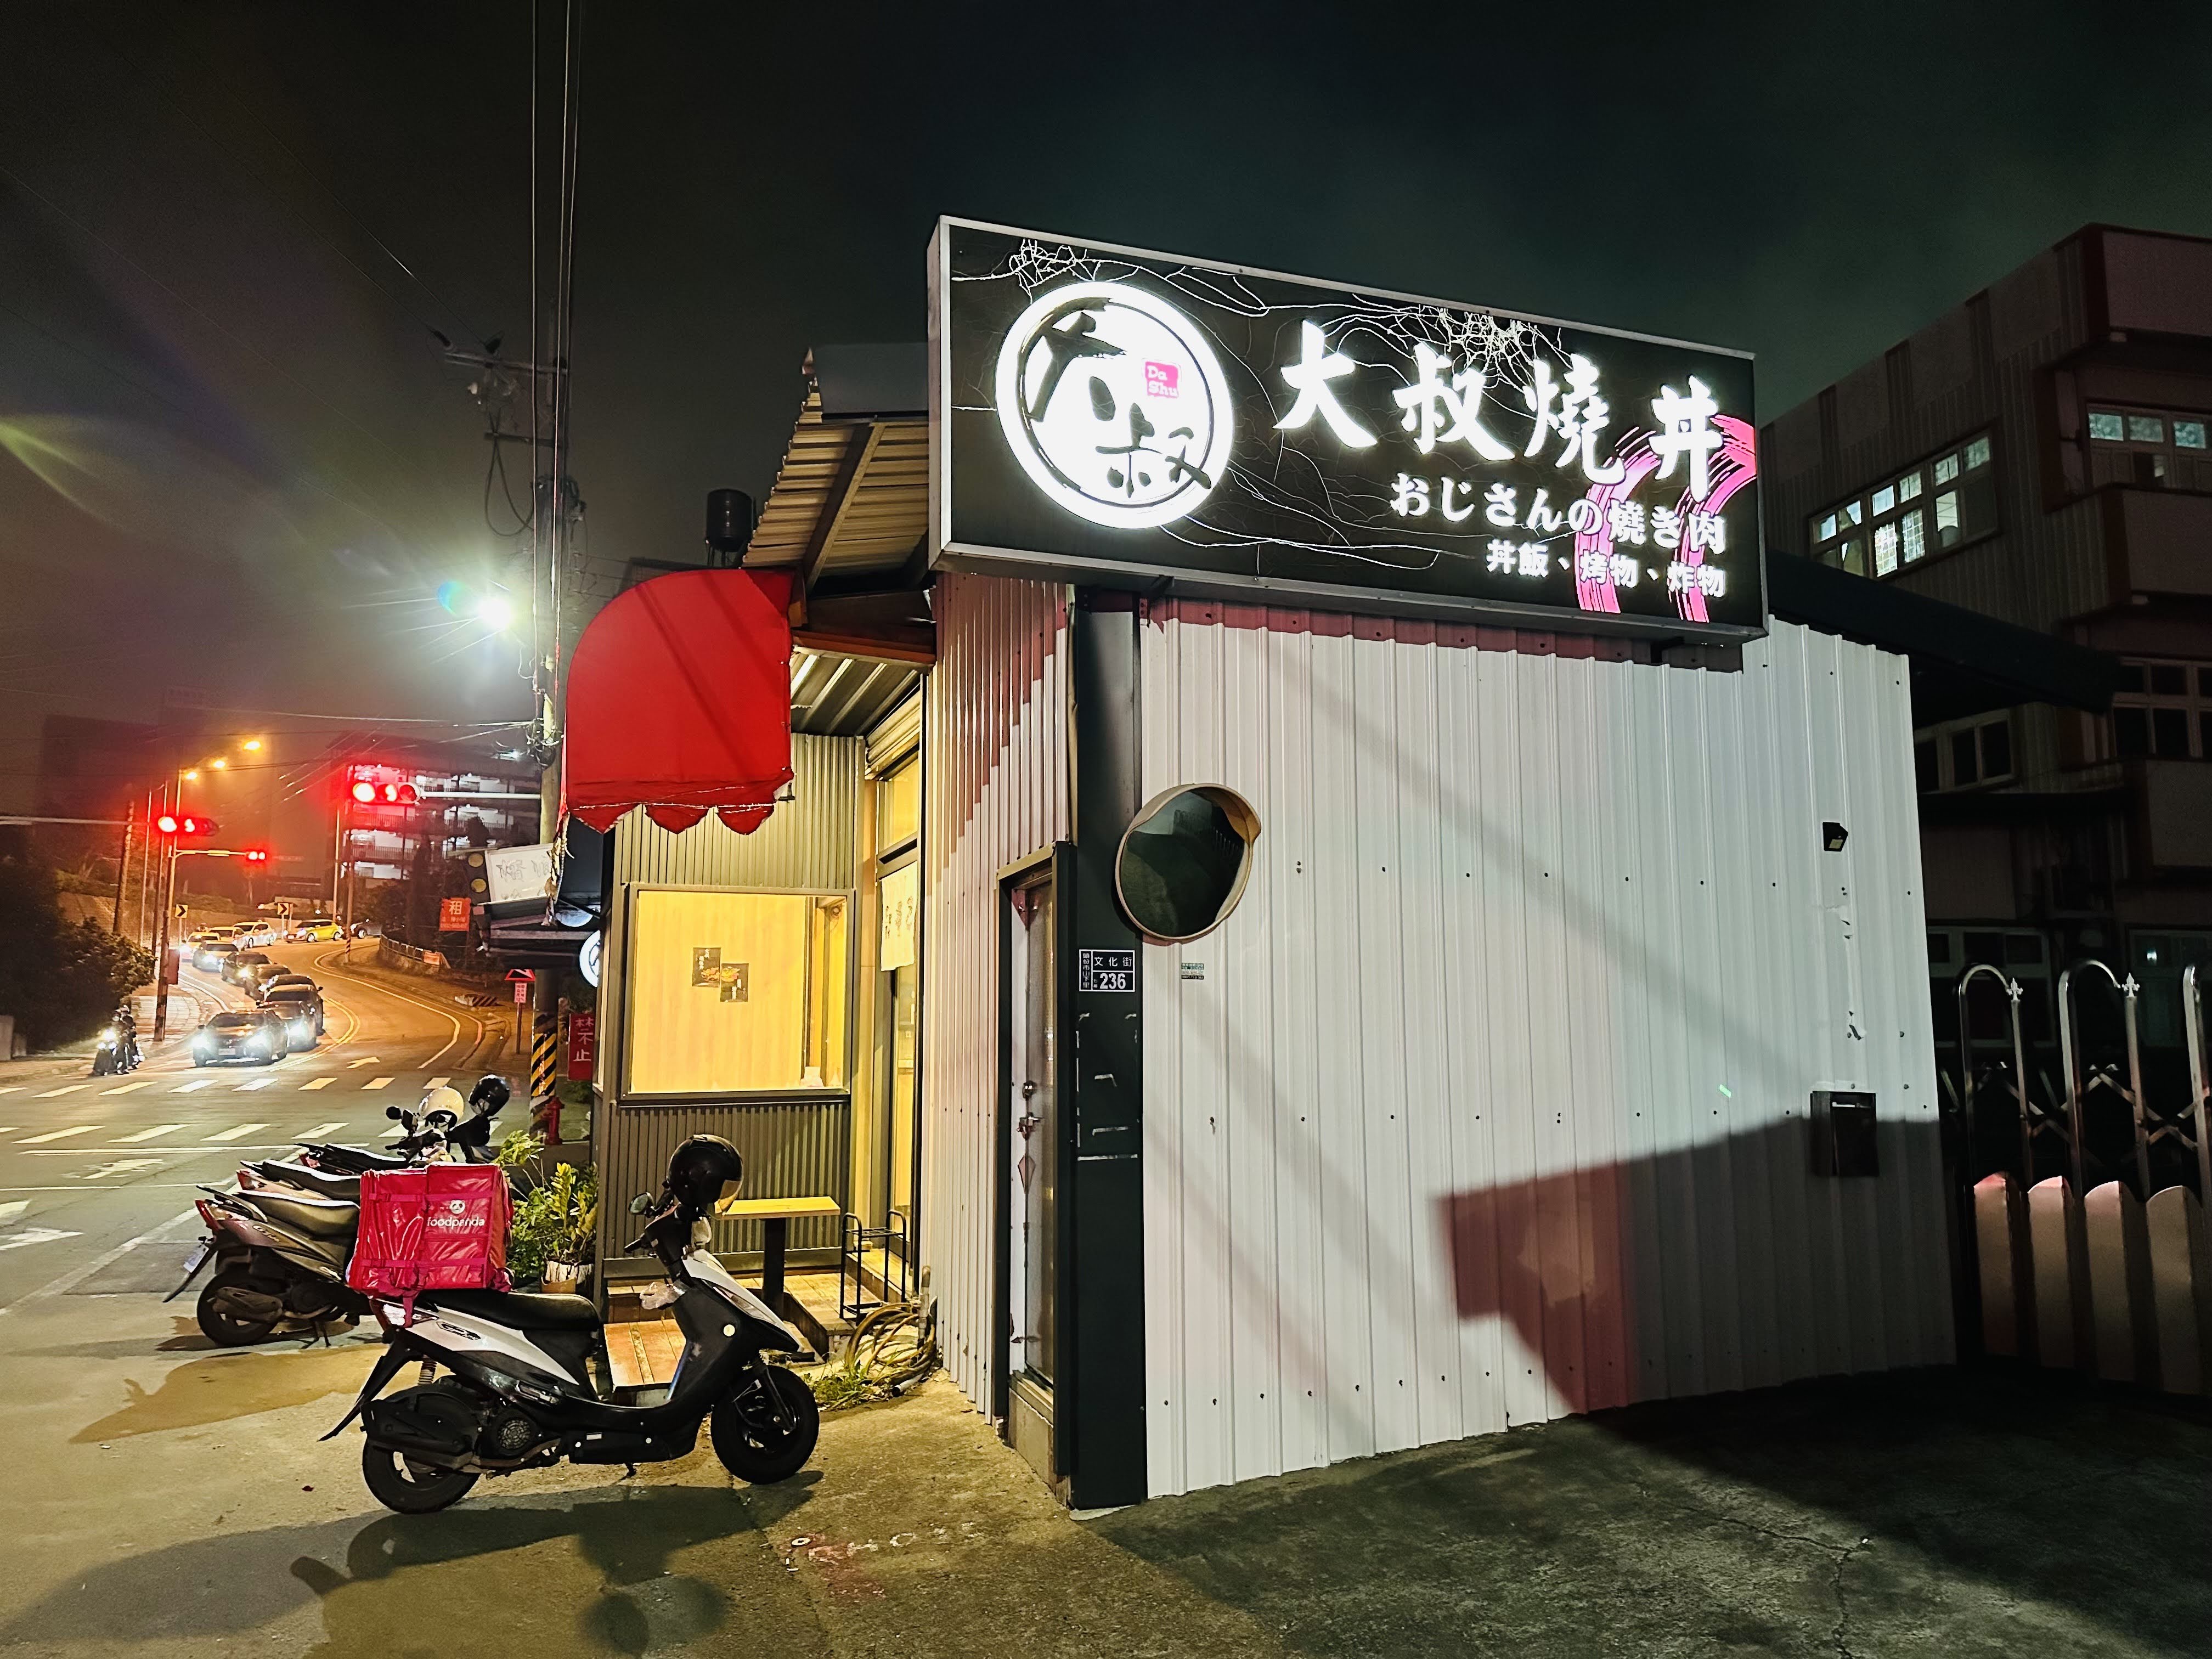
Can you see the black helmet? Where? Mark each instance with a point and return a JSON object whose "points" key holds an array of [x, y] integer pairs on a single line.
{"points": [[704, 1170], [490, 1094]]}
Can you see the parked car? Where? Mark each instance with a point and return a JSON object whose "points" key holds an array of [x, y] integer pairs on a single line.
{"points": [[299, 1009], [259, 1036], [255, 934], [235, 965], [316, 929]]}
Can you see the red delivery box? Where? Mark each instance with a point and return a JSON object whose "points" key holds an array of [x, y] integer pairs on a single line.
{"points": [[440, 1228]]}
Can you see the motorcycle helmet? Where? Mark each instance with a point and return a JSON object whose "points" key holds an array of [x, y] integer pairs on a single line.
{"points": [[444, 1099], [490, 1094], [704, 1170]]}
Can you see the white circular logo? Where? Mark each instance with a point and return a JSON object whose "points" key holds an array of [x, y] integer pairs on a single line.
{"points": [[1114, 404], [587, 959], [457, 1205]]}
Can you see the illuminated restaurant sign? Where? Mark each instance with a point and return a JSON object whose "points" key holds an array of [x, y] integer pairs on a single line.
{"points": [[1122, 418]]}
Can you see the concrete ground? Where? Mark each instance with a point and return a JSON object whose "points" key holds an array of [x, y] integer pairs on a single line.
{"points": [[166, 1499]]}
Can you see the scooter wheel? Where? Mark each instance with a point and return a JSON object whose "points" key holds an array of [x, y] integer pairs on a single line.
{"points": [[397, 1482], [226, 1329], [757, 1449]]}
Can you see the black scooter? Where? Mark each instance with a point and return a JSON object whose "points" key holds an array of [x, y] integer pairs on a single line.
{"points": [[520, 1393], [119, 1051]]}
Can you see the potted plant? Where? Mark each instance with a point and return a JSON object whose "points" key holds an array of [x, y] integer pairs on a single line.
{"points": [[556, 1220]]}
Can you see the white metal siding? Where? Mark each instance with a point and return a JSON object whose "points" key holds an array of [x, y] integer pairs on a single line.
{"points": [[1540, 955], [995, 758]]}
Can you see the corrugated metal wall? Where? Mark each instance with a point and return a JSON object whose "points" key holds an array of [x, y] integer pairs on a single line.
{"points": [[995, 788], [809, 842], [1492, 1104]]}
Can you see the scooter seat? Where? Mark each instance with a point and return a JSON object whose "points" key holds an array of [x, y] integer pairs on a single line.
{"points": [[528, 1310], [317, 1218], [321, 1182]]}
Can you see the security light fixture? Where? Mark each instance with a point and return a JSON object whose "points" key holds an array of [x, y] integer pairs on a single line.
{"points": [[1832, 836]]}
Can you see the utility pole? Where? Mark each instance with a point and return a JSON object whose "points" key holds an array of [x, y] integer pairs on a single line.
{"points": [[123, 865]]}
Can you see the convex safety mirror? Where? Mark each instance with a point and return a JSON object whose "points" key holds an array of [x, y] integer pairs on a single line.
{"points": [[1184, 861]]}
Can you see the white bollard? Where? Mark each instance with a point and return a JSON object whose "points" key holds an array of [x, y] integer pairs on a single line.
{"points": [[2000, 1230], [2062, 1276], [2181, 1289], [2119, 1283]]}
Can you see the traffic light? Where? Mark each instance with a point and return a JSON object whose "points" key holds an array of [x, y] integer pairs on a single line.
{"points": [[369, 789], [184, 824], [257, 855], [363, 791]]}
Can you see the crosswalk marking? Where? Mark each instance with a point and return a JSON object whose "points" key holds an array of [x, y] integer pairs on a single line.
{"points": [[194, 1088], [242, 1129], [143, 1082], [376, 1082], [255, 1083], [10, 1089], [56, 1135], [14, 1207], [148, 1134], [319, 1083], [321, 1129], [437, 1081], [66, 1089]]}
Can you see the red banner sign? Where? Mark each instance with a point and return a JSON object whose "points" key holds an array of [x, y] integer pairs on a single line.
{"points": [[453, 915], [583, 1043]]}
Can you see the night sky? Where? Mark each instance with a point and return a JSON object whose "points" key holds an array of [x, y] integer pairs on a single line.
{"points": [[232, 462]]}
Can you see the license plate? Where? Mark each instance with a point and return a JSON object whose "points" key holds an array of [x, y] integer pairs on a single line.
{"points": [[199, 1254]]}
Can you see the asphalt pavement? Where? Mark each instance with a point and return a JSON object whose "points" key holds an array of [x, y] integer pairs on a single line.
{"points": [[88, 1165]]}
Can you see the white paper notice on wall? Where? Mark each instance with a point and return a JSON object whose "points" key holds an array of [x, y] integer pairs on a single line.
{"points": [[901, 901], [1193, 969]]}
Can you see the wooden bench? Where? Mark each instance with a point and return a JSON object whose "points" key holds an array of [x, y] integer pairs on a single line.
{"points": [[776, 1215]]}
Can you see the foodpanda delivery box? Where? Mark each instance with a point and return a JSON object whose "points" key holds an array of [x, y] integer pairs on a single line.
{"points": [[442, 1227]]}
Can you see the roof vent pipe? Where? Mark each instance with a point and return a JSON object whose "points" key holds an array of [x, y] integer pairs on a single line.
{"points": [[729, 525]]}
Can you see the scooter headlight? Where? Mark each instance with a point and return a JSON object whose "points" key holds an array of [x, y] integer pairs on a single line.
{"points": [[107, 1034]]}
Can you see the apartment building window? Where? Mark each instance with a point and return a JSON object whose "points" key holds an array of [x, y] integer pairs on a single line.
{"points": [[1947, 501], [2156, 448], [1963, 754], [2163, 709]]}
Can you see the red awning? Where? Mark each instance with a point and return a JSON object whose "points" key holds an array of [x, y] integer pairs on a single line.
{"points": [[679, 701]]}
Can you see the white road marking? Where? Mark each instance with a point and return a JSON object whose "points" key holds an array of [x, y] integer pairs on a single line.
{"points": [[256, 1082], [319, 1083], [437, 1081], [10, 1089], [128, 1088], [194, 1088], [31, 1236], [56, 1135], [66, 1089], [355, 1065], [148, 1134], [242, 1129], [321, 1129], [13, 1208], [376, 1082], [121, 1166]]}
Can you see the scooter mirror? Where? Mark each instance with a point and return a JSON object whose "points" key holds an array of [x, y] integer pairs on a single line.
{"points": [[641, 1204], [393, 1113]]}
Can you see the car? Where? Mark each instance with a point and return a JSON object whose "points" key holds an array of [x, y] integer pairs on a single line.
{"points": [[208, 953], [299, 1008], [255, 975], [259, 1037], [283, 976], [255, 934], [317, 929], [235, 965]]}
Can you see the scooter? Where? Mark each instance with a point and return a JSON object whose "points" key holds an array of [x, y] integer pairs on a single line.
{"points": [[281, 1244], [520, 1392], [117, 1052]]}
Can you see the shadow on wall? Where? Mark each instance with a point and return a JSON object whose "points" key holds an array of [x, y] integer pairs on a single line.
{"points": [[1604, 1273]]}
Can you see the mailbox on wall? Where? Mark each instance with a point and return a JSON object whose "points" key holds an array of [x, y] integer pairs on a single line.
{"points": [[1843, 1133]]}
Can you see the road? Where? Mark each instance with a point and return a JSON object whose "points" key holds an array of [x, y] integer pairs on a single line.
{"points": [[89, 1164]]}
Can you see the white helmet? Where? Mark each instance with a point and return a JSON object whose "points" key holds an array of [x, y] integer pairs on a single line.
{"points": [[443, 1099]]}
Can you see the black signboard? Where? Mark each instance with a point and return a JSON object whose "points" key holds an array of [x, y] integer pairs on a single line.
{"points": [[1106, 970], [1130, 419]]}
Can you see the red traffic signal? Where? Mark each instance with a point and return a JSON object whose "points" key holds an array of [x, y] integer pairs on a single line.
{"points": [[363, 791], [173, 823], [257, 855], [168, 824], [371, 791]]}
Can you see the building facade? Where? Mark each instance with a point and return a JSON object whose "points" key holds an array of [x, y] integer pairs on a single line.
{"points": [[2039, 454]]}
